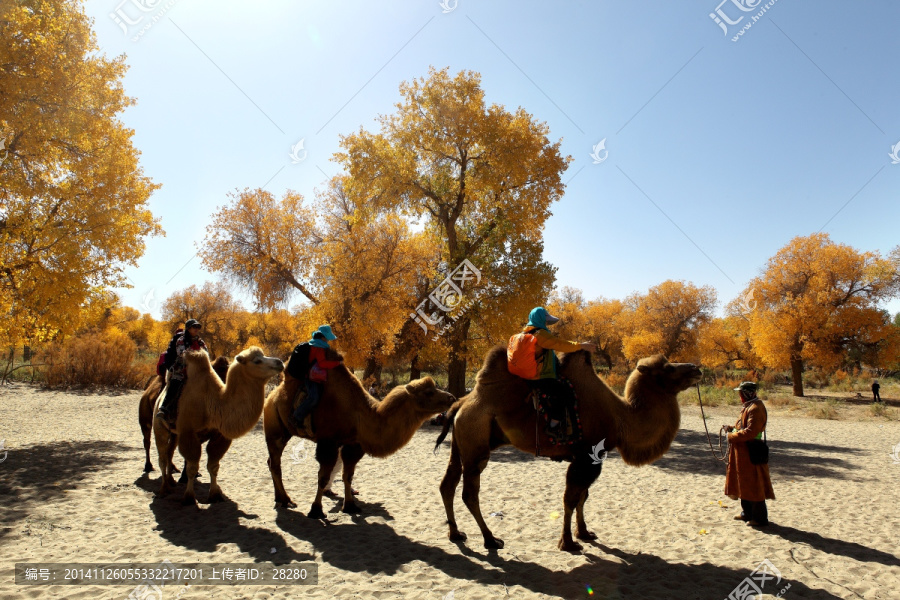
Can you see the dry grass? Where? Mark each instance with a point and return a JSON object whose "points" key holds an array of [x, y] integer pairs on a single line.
{"points": [[95, 359], [825, 410]]}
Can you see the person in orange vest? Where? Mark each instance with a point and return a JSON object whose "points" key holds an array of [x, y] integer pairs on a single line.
{"points": [[546, 378]]}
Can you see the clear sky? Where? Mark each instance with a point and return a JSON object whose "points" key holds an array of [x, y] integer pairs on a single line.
{"points": [[719, 151]]}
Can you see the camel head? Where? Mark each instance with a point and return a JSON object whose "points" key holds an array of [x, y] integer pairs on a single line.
{"points": [[657, 375], [257, 365], [427, 397]]}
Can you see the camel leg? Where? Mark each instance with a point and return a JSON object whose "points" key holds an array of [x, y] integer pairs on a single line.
{"points": [[215, 450], [351, 454], [581, 530], [276, 441], [165, 462], [579, 477], [190, 447], [326, 455], [448, 491], [471, 487], [146, 430]]}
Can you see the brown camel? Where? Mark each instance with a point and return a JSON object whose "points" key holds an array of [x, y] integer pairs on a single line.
{"points": [[350, 420], [148, 401], [210, 411], [499, 412]]}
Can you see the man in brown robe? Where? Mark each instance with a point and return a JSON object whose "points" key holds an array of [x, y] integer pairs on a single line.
{"points": [[743, 480]]}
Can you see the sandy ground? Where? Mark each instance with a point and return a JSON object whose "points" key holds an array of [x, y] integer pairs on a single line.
{"points": [[71, 489]]}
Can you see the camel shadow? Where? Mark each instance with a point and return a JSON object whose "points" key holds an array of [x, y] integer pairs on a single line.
{"points": [[833, 546], [375, 509], [39, 475], [204, 529], [690, 454], [627, 576]]}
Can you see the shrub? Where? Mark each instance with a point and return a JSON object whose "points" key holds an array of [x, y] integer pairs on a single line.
{"points": [[825, 410], [104, 358]]}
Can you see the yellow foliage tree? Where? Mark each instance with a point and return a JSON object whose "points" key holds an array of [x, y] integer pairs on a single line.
{"points": [[73, 200], [668, 319], [482, 177], [816, 299], [218, 312]]}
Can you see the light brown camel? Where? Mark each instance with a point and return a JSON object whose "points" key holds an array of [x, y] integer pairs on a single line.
{"points": [[210, 411], [148, 401], [499, 411], [350, 420]]}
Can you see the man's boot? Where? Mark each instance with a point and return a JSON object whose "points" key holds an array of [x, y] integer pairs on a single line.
{"points": [[169, 408]]}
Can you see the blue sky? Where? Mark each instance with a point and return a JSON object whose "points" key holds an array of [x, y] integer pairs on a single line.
{"points": [[719, 152]]}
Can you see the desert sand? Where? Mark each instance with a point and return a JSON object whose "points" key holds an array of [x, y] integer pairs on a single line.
{"points": [[72, 489]]}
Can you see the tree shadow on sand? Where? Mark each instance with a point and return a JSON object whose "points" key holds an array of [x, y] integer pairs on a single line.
{"points": [[38, 475], [690, 454], [833, 546], [203, 529], [376, 548]]}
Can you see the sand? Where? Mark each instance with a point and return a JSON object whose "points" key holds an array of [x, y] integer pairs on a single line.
{"points": [[72, 489]]}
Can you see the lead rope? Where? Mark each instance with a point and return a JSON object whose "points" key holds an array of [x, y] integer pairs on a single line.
{"points": [[724, 451]]}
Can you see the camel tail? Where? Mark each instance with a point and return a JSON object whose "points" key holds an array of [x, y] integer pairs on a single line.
{"points": [[448, 424]]}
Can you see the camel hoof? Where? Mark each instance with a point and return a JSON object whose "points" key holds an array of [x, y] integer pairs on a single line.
{"points": [[214, 498], [569, 546], [189, 501], [351, 509], [457, 536], [148, 467], [586, 535], [285, 504], [183, 478], [175, 469], [493, 544], [316, 512]]}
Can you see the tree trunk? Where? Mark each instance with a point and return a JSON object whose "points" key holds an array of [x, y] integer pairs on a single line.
{"points": [[797, 375], [415, 371], [373, 367], [456, 370]]}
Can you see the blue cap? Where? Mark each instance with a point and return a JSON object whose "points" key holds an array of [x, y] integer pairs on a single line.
{"points": [[326, 331]]}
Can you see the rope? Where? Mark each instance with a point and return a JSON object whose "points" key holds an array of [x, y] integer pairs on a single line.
{"points": [[724, 451]]}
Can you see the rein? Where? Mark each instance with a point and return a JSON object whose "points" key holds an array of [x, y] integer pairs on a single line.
{"points": [[724, 451]]}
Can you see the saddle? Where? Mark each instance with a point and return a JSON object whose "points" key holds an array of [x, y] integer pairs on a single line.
{"points": [[570, 424]]}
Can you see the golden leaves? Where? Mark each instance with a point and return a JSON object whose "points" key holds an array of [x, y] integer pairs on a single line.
{"points": [[72, 196]]}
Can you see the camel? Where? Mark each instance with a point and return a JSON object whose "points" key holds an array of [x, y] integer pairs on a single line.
{"points": [[350, 420], [499, 412], [148, 400], [213, 412]]}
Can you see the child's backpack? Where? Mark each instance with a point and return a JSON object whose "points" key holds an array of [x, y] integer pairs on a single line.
{"points": [[298, 363], [522, 354]]}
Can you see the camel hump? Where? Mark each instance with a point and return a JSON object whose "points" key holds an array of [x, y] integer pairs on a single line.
{"points": [[495, 363]]}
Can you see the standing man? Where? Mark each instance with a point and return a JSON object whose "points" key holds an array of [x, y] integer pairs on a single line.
{"points": [[743, 480], [875, 389]]}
